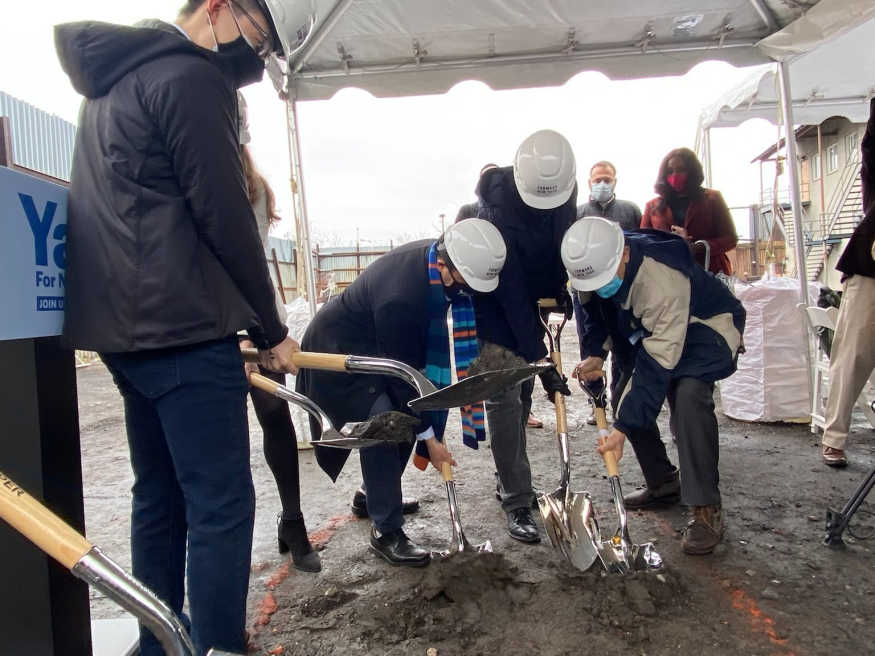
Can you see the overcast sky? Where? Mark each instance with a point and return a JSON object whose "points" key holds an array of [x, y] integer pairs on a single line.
{"points": [[389, 167]]}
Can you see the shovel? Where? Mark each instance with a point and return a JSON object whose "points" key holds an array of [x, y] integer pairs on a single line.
{"points": [[460, 542], [618, 554], [385, 427], [86, 562], [465, 392], [568, 516]]}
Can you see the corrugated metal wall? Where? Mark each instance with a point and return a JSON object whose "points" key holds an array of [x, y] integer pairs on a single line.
{"points": [[40, 141]]}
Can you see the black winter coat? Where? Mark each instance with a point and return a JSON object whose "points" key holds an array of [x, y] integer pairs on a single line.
{"points": [[533, 268], [162, 244], [385, 314]]}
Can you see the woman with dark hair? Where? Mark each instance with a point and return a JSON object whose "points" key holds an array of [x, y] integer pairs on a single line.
{"points": [[280, 443], [686, 208]]}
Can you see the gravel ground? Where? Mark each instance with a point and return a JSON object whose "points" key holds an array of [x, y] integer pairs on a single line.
{"points": [[770, 588]]}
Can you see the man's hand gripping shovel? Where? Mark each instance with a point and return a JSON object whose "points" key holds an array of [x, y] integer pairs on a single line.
{"points": [[618, 554]]}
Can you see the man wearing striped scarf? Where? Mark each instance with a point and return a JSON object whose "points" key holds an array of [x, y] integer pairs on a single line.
{"points": [[398, 308]]}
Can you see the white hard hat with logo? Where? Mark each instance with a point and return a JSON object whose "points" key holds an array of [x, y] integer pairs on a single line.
{"points": [[591, 251], [477, 251], [294, 22], [544, 170]]}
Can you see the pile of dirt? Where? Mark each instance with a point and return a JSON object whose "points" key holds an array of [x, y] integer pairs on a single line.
{"points": [[474, 604], [493, 357]]}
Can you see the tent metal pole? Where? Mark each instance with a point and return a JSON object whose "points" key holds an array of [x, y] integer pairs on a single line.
{"points": [[796, 204], [709, 174], [299, 204], [793, 173]]}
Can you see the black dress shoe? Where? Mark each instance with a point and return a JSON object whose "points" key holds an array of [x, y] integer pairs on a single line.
{"points": [[521, 525], [397, 549], [360, 505], [666, 493]]}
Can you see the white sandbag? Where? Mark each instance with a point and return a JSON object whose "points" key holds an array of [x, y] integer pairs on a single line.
{"points": [[771, 383]]}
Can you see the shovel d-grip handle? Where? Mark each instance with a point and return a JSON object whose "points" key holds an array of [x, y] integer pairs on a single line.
{"points": [[305, 360], [40, 525]]}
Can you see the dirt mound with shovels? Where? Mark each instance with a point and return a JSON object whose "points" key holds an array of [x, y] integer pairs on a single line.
{"points": [[472, 604]]}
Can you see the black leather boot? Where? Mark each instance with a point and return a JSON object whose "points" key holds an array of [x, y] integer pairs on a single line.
{"points": [[360, 505], [292, 537]]}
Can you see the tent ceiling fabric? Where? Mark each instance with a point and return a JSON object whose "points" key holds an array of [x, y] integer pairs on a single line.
{"points": [[835, 80], [414, 47]]}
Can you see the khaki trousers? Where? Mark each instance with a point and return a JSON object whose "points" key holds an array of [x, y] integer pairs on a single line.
{"points": [[852, 358]]}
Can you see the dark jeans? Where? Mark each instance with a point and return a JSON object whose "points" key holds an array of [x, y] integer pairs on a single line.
{"points": [[382, 467], [185, 411], [280, 444]]}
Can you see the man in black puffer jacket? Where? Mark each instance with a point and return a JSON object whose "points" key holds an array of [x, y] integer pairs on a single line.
{"points": [[164, 267], [532, 204]]}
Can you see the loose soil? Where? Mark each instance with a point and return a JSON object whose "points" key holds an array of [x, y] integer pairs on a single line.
{"points": [[771, 588]]}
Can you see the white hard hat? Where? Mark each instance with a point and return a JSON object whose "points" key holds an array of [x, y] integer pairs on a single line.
{"points": [[544, 170], [591, 251], [294, 22], [477, 251]]}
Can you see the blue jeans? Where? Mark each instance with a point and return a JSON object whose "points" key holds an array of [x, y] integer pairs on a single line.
{"points": [[382, 467], [185, 412]]}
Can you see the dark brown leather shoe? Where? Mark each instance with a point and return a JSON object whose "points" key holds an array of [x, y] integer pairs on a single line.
{"points": [[666, 494], [704, 532]]}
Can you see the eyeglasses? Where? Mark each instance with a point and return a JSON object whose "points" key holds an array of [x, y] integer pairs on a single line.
{"points": [[267, 45]]}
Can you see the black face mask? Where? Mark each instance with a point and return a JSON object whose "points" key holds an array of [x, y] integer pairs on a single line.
{"points": [[242, 64], [457, 290]]}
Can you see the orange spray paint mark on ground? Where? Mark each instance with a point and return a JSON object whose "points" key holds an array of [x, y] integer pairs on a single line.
{"points": [[759, 621], [318, 538]]}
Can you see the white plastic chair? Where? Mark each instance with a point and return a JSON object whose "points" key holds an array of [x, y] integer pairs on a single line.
{"points": [[820, 317]]}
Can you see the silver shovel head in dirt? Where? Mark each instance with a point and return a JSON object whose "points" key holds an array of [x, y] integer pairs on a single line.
{"points": [[477, 388], [585, 534], [460, 543]]}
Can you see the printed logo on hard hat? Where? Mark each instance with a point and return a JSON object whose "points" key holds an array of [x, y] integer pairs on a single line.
{"points": [[493, 271], [585, 272], [547, 189]]}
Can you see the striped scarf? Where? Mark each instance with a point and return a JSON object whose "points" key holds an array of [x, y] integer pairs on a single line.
{"points": [[437, 368]]}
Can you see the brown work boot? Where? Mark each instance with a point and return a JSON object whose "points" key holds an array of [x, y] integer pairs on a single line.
{"points": [[834, 457], [665, 494], [704, 531]]}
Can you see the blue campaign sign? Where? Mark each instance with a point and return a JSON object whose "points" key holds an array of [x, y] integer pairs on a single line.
{"points": [[33, 235]]}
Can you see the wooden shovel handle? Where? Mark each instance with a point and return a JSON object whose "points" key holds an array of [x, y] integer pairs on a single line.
{"points": [[264, 383], [40, 525], [306, 360], [610, 459], [447, 471]]}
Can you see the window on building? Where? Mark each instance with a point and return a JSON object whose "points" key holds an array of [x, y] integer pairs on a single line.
{"points": [[851, 147], [815, 166], [832, 158]]}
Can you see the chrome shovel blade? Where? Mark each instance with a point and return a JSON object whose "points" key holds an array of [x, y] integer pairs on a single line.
{"points": [[476, 388], [585, 535]]}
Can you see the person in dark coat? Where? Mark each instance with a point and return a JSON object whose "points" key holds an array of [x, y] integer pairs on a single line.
{"points": [[686, 328], [532, 203], [603, 200], [160, 278], [397, 309], [684, 207]]}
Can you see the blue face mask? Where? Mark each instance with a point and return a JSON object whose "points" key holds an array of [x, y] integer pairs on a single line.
{"points": [[606, 291], [602, 192]]}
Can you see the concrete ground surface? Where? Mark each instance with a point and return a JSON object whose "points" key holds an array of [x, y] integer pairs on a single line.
{"points": [[771, 588]]}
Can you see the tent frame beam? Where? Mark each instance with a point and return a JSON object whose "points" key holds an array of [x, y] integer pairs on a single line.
{"points": [[412, 66], [765, 14]]}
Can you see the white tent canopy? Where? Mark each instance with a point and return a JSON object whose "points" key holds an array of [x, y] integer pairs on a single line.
{"points": [[837, 79], [415, 47]]}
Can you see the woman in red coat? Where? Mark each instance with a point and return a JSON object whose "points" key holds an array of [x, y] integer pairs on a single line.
{"points": [[686, 208]]}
